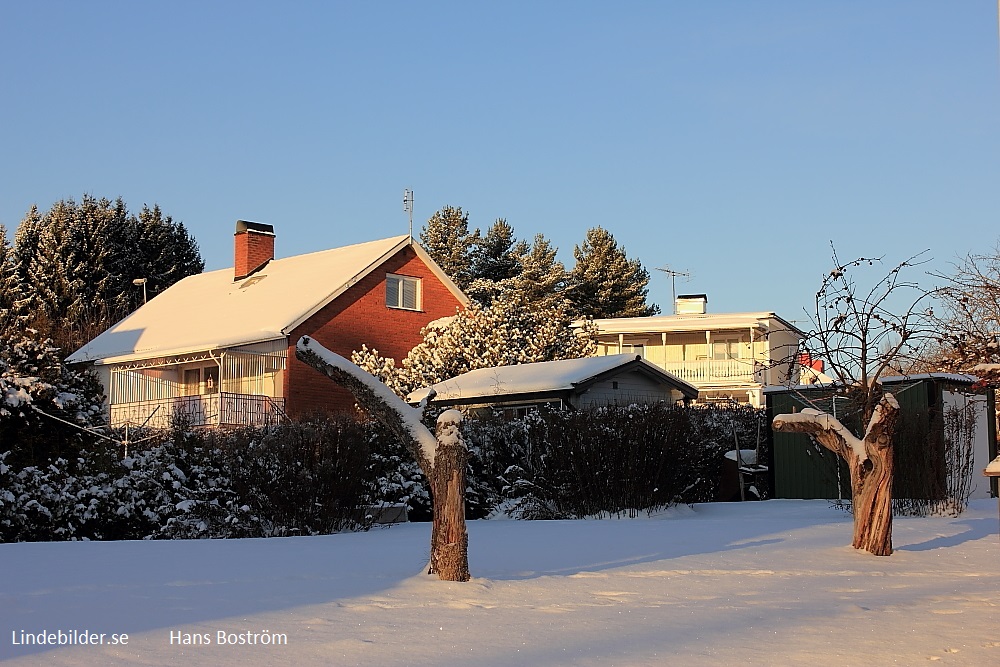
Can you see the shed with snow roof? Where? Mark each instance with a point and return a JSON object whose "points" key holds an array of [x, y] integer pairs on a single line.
{"points": [[218, 348], [620, 379]]}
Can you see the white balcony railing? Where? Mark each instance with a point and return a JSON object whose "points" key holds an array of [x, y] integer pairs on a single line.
{"points": [[225, 408], [713, 370]]}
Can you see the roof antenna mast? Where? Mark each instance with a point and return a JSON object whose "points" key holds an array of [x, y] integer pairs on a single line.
{"points": [[673, 287], [408, 207]]}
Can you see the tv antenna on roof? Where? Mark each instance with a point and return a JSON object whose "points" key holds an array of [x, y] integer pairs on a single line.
{"points": [[408, 206], [673, 287]]}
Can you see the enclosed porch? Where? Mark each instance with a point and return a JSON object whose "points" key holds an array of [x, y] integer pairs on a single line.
{"points": [[227, 387]]}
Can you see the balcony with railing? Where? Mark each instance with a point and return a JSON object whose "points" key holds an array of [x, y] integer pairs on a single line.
{"points": [[217, 409], [714, 371]]}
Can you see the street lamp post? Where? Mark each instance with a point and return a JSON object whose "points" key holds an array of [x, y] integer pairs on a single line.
{"points": [[141, 281]]}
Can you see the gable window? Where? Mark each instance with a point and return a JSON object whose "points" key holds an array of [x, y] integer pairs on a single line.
{"points": [[402, 292]]}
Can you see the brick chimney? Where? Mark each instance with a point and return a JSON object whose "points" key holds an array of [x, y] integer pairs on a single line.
{"points": [[254, 245]]}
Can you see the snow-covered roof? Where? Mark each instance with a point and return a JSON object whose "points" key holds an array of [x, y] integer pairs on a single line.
{"points": [[689, 322], [210, 311], [957, 378], [542, 377]]}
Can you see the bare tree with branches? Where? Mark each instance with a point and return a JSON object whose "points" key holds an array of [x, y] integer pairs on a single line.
{"points": [[969, 324], [863, 335]]}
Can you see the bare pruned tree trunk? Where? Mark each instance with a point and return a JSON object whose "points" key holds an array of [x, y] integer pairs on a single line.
{"points": [[449, 538], [442, 459], [869, 461]]}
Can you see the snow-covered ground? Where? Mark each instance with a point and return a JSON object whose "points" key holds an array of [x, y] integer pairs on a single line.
{"points": [[772, 583]]}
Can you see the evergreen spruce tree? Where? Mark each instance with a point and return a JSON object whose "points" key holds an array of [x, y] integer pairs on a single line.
{"points": [[10, 293], [447, 239], [75, 264], [605, 282], [88, 257], [167, 251], [41, 269]]}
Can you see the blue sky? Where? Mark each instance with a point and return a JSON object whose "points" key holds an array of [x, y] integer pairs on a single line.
{"points": [[733, 140]]}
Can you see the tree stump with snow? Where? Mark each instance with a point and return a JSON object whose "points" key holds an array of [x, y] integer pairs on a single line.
{"points": [[450, 555], [869, 461], [442, 459]]}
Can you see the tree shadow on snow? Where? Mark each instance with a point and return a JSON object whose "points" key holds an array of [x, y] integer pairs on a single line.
{"points": [[976, 529]]}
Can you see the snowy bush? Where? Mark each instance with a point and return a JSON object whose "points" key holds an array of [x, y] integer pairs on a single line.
{"points": [[396, 478], [303, 478]]}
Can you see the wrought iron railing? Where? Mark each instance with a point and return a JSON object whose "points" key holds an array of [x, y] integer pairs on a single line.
{"points": [[218, 409]]}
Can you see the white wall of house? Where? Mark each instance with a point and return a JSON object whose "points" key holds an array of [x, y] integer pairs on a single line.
{"points": [[734, 360], [625, 389]]}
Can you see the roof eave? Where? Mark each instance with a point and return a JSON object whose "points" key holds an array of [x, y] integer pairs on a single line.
{"points": [[175, 352]]}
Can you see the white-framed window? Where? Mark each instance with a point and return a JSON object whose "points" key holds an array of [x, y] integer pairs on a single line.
{"points": [[726, 349], [402, 292]]}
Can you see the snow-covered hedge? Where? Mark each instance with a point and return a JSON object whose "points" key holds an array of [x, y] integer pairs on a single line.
{"points": [[608, 461], [305, 478], [323, 475]]}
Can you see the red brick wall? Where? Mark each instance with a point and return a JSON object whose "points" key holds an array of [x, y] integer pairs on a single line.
{"points": [[360, 317], [252, 250]]}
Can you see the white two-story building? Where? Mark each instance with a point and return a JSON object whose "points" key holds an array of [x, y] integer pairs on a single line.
{"points": [[727, 356]]}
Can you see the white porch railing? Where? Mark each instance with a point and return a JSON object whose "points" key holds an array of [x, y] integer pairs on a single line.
{"points": [[225, 409], [713, 370]]}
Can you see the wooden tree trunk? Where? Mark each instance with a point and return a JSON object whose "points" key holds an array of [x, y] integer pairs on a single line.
{"points": [[871, 492], [449, 538], [871, 475]]}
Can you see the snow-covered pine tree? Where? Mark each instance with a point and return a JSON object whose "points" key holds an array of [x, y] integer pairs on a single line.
{"points": [[512, 331], [168, 252], [447, 239], [76, 262], [493, 257], [38, 244], [33, 375], [605, 282], [494, 263], [89, 255], [542, 277], [9, 285]]}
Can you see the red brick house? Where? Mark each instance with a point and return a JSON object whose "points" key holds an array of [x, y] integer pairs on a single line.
{"points": [[219, 347]]}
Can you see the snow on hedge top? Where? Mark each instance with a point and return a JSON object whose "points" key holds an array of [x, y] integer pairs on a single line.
{"points": [[543, 376], [211, 310]]}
